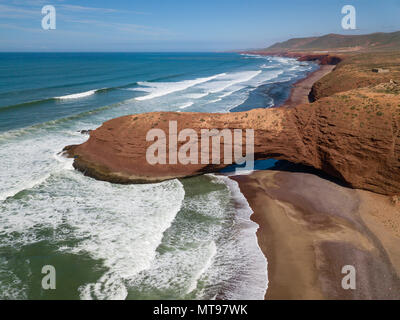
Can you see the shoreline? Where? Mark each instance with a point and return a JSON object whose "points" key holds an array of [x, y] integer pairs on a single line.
{"points": [[299, 94], [300, 91], [307, 241], [247, 236]]}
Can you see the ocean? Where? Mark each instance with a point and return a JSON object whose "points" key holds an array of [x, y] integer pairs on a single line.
{"points": [[179, 239]]}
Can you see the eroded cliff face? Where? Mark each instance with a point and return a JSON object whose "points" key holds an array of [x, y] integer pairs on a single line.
{"points": [[116, 151], [354, 136]]}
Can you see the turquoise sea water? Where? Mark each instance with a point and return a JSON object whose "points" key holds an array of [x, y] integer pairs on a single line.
{"points": [[178, 239]]}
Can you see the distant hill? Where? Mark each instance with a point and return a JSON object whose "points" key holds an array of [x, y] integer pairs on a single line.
{"points": [[336, 42]]}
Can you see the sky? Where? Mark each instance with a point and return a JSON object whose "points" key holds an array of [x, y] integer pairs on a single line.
{"points": [[175, 25]]}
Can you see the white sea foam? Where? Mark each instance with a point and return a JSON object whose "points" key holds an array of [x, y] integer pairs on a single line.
{"points": [[265, 66], [186, 105], [109, 287], [197, 95], [211, 252], [11, 287], [214, 101], [215, 253], [78, 95], [123, 230], [229, 80], [121, 227], [252, 56], [23, 186], [126, 236], [159, 89], [283, 60], [29, 160], [192, 250], [179, 271], [257, 284], [65, 164], [227, 94], [266, 77]]}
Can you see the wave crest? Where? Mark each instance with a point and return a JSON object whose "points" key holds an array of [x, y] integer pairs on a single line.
{"points": [[78, 95]]}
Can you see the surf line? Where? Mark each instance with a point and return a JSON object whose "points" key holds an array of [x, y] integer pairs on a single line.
{"points": [[164, 310]]}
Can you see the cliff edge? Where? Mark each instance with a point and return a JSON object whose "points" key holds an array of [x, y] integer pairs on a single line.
{"points": [[352, 135]]}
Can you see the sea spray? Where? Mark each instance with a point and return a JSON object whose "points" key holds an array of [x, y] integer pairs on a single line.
{"points": [[257, 281]]}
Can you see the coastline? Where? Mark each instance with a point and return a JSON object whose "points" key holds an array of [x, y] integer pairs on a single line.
{"points": [[309, 228], [298, 95], [247, 235], [257, 200], [301, 89]]}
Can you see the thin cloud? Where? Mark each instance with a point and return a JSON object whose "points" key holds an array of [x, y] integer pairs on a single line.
{"points": [[13, 9], [76, 8], [81, 8], [55, 33], [17, 27], [34, 6], [127, 27], [32, 2]]}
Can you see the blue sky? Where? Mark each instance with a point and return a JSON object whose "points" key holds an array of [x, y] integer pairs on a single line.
{"points": [[174, 25]]}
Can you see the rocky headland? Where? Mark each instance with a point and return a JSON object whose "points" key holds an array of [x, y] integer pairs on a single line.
{"points": [[352, 135]]}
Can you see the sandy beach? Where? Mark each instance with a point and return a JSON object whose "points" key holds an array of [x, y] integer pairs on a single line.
{"points": [[302, 88], [311, 227]]}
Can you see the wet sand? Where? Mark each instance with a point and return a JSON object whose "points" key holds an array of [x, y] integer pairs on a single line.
{"points": [[302, 88], [311, 227]]}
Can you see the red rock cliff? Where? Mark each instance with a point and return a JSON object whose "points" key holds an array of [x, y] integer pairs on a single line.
{"points": [[353, 136]]}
